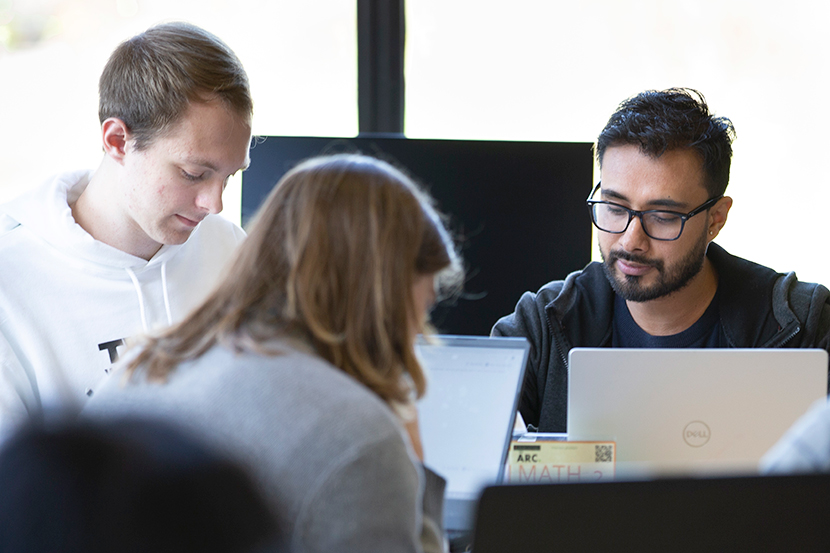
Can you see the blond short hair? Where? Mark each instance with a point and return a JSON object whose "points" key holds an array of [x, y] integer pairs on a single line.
{"points": [[151, 79]]}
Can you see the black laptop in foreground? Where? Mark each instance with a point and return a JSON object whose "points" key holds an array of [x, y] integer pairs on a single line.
{"points": [[735, 514]]}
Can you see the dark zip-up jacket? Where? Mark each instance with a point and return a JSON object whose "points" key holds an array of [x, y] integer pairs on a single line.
{"points": [[759, 308]]}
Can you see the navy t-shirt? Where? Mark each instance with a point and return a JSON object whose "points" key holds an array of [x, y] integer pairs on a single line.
{"points": [[705, 333]]}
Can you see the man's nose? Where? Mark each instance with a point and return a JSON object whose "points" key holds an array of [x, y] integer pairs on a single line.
{"points": [[210, 197], [634, 238]]}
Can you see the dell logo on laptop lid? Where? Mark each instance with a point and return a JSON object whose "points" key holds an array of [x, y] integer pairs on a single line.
{"points": [[696, 433]]}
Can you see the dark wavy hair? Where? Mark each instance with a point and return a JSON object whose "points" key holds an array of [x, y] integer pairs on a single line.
{"points": [[672, 119]]}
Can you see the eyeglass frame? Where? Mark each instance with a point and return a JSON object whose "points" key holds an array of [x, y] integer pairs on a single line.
{"points": [[639, 214]]}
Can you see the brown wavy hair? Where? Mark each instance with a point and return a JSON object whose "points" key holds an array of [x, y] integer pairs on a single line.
{"points": [[331, 257]]}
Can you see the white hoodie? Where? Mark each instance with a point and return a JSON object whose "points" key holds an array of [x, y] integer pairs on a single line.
{"points": [[68, 301]]}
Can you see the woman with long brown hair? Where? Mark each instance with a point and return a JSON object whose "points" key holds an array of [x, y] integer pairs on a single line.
{"points": [[302, 362]]}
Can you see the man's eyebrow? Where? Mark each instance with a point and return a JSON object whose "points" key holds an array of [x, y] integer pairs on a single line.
{"points": [[202, 163], [208, 165], [669, 203], [662, 202], [606, 193]]}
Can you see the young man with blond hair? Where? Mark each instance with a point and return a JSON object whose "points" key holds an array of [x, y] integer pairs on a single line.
{"points": [[90, 259]]}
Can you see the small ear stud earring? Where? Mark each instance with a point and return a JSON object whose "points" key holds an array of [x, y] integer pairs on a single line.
{"points": [[711, 233]]}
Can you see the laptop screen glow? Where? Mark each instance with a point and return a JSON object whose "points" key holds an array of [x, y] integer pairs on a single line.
{"points": [[466, 417]]}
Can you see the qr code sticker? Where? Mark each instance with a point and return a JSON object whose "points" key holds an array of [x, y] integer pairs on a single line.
{"points": [[603, 453]]}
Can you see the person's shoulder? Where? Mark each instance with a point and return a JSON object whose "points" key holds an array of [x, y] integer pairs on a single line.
{"points": [[549, 291], [285, 383], [10, 218], [302, 380], [804, 298], [7, 224], [43, 208], [739, 269], [582, 279], [16, 242], [784, 287], [317, 394], [803, 288], [545, 294], [531, 307], [313, 375]]}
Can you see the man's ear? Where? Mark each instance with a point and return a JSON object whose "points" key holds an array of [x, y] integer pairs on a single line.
{"points": [[115, 135], [717, 216]]}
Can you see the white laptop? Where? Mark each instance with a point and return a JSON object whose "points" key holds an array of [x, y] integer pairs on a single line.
{"points": [[466, 416], [688, 411]]}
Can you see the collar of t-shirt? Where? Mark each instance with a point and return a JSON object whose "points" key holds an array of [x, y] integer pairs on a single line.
{"points": [[705, 333]]}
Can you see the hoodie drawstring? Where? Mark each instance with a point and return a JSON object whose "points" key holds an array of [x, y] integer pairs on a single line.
{"points": [[140, 297], [164, 292]]}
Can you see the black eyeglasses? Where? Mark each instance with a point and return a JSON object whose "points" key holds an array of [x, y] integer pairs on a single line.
{"points": [[656, 223]]}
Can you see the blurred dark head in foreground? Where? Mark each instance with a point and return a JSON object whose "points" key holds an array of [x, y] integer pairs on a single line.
{"points": [[129, 486]]}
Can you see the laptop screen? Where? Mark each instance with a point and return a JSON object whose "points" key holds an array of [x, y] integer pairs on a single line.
{"points": [[466, 416]]}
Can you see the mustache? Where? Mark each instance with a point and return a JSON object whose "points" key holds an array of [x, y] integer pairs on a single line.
{"points": [[634, 258]]}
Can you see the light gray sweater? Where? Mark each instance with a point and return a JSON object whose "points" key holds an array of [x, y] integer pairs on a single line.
{"points": [[330, 455]]}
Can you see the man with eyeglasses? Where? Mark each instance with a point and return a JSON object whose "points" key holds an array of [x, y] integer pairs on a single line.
{"points": [[664, 161]]}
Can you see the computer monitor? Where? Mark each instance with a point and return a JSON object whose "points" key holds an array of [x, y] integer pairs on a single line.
{"points": [[518, 208]]}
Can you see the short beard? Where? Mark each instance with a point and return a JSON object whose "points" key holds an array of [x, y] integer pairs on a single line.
{"points": [[680, 275]]}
